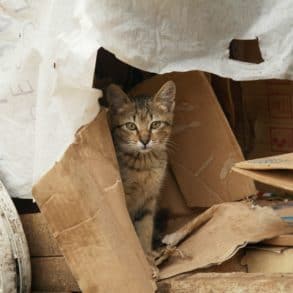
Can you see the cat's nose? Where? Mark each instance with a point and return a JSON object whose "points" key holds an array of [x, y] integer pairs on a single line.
{"points": [[145, 141]]}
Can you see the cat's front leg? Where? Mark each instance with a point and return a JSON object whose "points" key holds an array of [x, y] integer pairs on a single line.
{"points": [[145, 225], [144, 228]]}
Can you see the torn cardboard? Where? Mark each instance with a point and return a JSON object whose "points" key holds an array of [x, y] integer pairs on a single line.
{"points": [[82, 200], [217, 234], [204, 146], [284, 209], [275, 171]]}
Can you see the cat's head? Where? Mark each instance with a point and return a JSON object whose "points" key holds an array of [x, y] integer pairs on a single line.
{"points": [[141, 123]]}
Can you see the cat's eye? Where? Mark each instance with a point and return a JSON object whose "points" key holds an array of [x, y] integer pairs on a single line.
{"points": [[156, 124], [130, 126]]}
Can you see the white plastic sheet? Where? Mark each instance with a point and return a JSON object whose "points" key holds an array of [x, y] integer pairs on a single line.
{"points": [[48, 50]]}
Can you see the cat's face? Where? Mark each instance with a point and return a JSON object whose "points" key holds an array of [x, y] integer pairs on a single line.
{"points": [[141, 124]]}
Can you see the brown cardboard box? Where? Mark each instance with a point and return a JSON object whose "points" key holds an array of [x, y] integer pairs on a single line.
{"points": [[269, 106], [82, 198], [205, 145]]}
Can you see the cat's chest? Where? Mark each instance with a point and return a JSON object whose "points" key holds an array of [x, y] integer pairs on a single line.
{"points": [[145, 183]]}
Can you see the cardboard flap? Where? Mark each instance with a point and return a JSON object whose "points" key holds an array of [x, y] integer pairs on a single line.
{"points": [[205, 148], [218, 233], [281, 179], [82, 200], [284, 161], [276, 171]]}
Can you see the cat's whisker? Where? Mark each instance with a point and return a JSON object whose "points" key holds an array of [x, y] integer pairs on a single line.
{"points": [[141, 140]]}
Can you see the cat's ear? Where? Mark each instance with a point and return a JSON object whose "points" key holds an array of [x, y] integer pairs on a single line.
{"points": [[165, 97], [116, 97]]}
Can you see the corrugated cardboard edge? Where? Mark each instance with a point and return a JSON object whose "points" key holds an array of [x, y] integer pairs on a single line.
{"points": [[82, 200], [274, 178], [279, 162]]}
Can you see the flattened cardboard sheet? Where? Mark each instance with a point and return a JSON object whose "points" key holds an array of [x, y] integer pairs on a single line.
{"points": [[204, 146], [82, 200], [280, 162], [275, 171], [227, 228]]}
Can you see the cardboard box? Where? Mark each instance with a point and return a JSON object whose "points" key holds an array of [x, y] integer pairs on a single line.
{"points": [[82, 197], [269, 106], [205, 148]]}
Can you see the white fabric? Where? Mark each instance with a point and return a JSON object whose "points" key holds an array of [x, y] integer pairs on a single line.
{"points": [[48, 50]]}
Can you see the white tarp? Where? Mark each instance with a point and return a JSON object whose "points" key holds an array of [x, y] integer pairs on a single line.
{"points": [[48, 50]]}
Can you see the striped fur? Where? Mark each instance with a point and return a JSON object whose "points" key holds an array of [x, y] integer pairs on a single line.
{"points": [[141, 127]]}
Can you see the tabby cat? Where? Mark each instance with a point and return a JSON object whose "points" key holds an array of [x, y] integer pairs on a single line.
{"points": [[141, 128]]}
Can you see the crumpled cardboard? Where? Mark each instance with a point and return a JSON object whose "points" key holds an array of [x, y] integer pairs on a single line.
{"points": [[217, 234], [82, 200], [275, 171], [204, 146]]}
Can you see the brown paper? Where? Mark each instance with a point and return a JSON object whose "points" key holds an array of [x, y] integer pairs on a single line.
{"points": [[223, 230], [275, 171], [82, 200], [205, 147]]}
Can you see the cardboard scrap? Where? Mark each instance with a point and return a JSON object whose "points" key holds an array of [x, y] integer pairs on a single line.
{"points": [[281, 240], [82, 200], [218, 234], [275, 170], [280, 162], [52, 274], [284, 210], [268, 261], [204, 146], [39, 238]]}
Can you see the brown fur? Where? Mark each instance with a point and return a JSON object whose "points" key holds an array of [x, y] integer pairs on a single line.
{"points": [[141, 149]]}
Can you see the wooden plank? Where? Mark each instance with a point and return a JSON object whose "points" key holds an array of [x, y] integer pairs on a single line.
{"points": [[52, 274], [40, 240], [228, 282]]}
